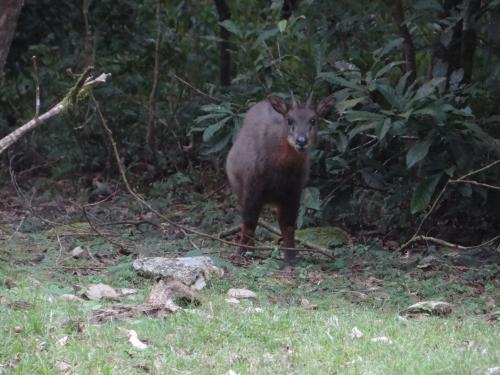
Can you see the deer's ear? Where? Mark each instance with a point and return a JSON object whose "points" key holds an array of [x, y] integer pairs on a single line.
{"points": [[278, 104], [325, 106]]}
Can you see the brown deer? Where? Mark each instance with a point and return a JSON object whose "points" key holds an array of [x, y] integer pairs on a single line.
{"points": [[269, 163]]}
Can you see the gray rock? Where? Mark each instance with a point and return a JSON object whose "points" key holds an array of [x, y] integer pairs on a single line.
{"points": [[191, 271]]}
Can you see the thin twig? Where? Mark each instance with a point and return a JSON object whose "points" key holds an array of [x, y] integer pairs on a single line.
{"points": [[439, 241], [475, 183], [60, 250], [479, 170], [195, 89]]}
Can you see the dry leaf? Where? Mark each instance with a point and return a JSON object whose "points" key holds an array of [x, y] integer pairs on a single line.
{"points": [[232, 300]]}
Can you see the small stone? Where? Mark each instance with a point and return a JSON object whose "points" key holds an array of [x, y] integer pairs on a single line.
{"points": [[99, 291], [382, 339], [429, 308], [191, 271], [18, 329], [77, 252], [232, 300], [241, 293]]}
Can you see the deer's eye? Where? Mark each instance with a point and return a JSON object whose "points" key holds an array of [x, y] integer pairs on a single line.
{"points": [[312, 121], [290, 122]]}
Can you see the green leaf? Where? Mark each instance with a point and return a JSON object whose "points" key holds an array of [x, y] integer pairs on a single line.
{"points": [[216, 108], [282, 26], [428, 88], [266, 34], [382, 128], [231, 27], [417, 152], [373, 179], [354, 116], [360, 129], [348, 104], [428, 5], [335, 79], [424, 192], [435, 111], [213, 129], [311, 198], [390, 46], [388, 68], [389, 94]]}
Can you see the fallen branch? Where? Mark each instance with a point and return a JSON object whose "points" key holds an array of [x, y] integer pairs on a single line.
{"points": [[436, 241], [81, 89]]}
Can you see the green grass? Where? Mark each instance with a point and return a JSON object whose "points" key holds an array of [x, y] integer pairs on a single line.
{"points": [[277, 334], [216, 337]]}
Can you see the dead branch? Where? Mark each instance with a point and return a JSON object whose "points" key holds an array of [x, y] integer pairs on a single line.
{"points": [[436, 241], [81, 89], [229, 232], [475, 183]]}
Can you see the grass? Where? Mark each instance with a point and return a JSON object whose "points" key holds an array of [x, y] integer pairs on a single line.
{"points": [[261, 337], [365, 287]]}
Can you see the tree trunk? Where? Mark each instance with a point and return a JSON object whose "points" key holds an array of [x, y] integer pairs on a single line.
{"points": [[469, 37], [446, 49], [288, 7], [224, 45], [408, 46], [8, 20]]}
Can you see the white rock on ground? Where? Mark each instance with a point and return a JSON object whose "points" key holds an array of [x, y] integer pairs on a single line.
{"points": [[241, 293], [191, 271]]}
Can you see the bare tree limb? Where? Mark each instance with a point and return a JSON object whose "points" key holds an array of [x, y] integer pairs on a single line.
{"points": [[81, 89]]}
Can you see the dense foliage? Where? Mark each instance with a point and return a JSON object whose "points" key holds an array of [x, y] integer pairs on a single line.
{"points": [[396, 139]]}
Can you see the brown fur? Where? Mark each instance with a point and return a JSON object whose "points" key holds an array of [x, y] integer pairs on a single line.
{"points": [[269, 163]]}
